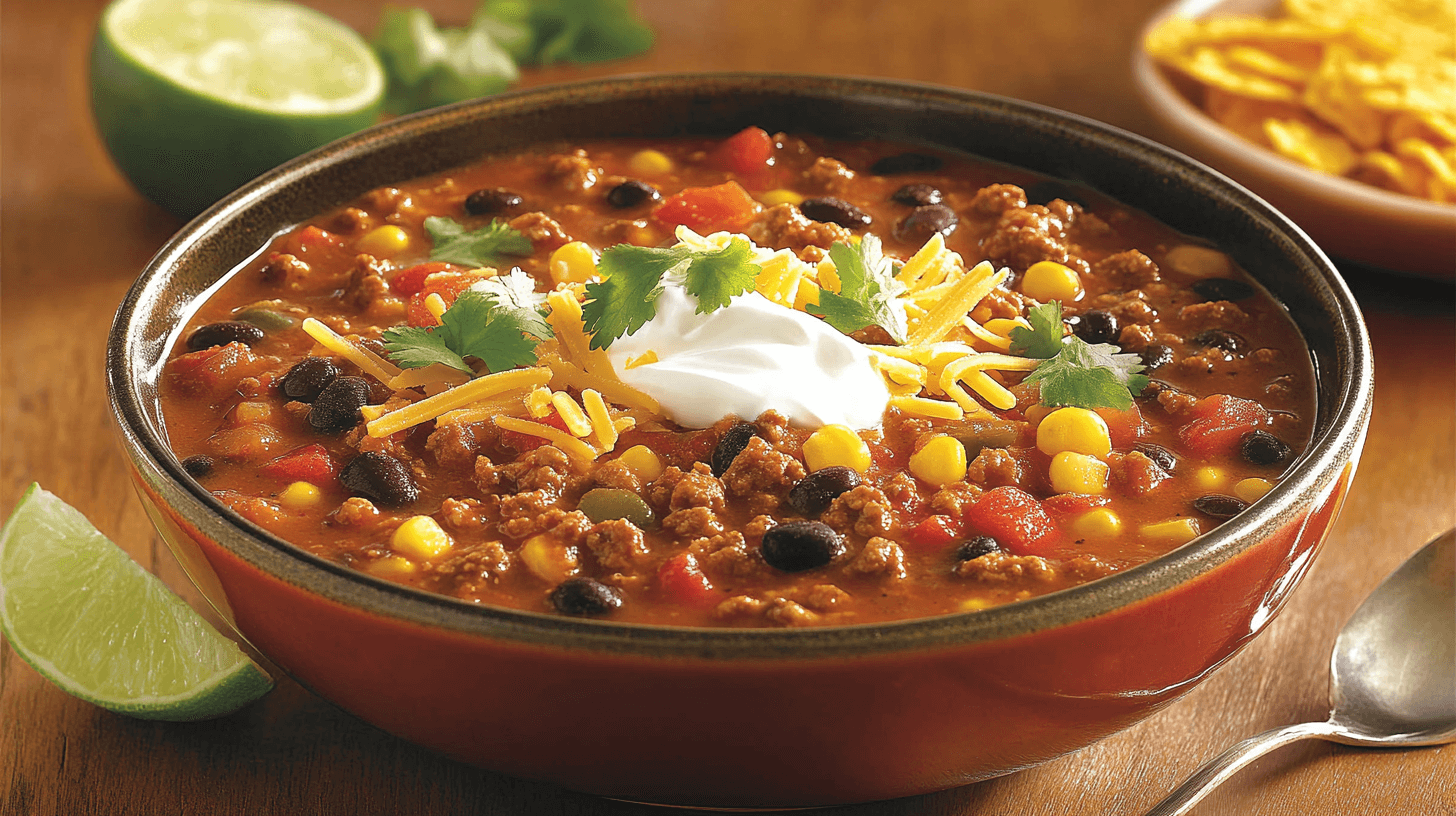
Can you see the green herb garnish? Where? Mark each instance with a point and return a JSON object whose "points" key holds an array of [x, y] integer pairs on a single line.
{"points": [[482, 247], [1074, 372], [570, 30], [428, 66], [627, 297], [496, 324], [868, 292]]}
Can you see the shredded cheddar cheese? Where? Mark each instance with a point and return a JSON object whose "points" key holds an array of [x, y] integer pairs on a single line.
{"points": [[367, 361]]}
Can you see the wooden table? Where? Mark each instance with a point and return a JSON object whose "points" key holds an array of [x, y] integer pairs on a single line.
{"points": [[75, 235]]}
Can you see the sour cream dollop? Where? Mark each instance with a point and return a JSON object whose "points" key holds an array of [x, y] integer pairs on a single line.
{"points": [[748, 357]]}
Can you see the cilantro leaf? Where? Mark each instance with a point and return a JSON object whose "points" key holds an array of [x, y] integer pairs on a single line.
{"points": [[1044, 338], [481, 247], [474, 326], [867, 291], [570, 30], [715, 277], [516, 293], [428, 66]]}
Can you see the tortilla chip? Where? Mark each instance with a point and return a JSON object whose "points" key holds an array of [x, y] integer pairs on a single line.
{"points": [[1318, 148], [1334, 95]]}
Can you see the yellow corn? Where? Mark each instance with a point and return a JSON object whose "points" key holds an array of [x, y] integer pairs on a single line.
{"points": [[1097, 524], [650, 163], [571, 414], [299, 495], [1176, 531], [421, 538], [642, 461], [1209, 478], [1251, 490], [836, 445], [392, 566], [1073, 429], [549, 559], [573, 263], [775, 197], [1078, 473], [976, 604], [940, 461], [384, 242], [1049, 280]]}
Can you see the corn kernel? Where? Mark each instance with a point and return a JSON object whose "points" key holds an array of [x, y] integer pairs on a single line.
{"points": [[642, 461], [299, 495], [1209, 478], [1073, 429], [1251, 490], [384, 242], [1036, 413], [836, 445], [1078, 473], [549, 559], [1176, 531], [1049, 280], [940, 461], [1197, 261], [392, 566], [421, 538], [573, 263], [976, 604], [650, 163], [1098, 524], [773, 198]]}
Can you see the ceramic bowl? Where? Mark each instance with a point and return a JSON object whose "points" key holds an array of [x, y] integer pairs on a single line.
{"points": [[1348, 219], [752, 718]]}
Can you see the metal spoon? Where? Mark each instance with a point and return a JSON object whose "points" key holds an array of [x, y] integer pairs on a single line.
{"points": [[1392, 675]]}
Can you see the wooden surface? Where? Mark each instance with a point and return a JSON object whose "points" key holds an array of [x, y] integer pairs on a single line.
{"points": [[75, 235]]}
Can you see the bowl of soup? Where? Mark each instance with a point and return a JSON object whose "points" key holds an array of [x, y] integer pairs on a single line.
{"points": [[743, 440]]}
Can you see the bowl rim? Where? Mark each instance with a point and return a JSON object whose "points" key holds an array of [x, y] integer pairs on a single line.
{"points": [[1179, 113], [1314, 474]]}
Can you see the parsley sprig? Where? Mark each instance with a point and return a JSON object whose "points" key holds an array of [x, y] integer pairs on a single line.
{"points": [[486, 246], [868, 292], [1074, 372], [497, 322], [626, 298]]}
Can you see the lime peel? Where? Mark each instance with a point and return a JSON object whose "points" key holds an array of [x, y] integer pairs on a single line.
{"points": [[76, 608]]}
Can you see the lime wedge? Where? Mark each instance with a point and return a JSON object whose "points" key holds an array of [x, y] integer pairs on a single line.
{"points": [[85, 616], [195, 97]]}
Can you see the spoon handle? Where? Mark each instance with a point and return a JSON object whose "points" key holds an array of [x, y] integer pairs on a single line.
{"points": [[1216, 770]]}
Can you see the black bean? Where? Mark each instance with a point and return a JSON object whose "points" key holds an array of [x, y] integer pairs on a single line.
{"points": [[1161, 456], [631, 193], [917, 195], [220, 334], [583, 596], [795, 546], [831, 210], [730, 444], [924, 222], [977, 547], [1157, 355], [812, 494], [488, 201], [380, 477], [1219, 506], [1263, 448], [1222, 289], [198, 466], [306, 380], [1095, 326], [1044, 192], [336, 408], [1231, 342], [906, 163]]}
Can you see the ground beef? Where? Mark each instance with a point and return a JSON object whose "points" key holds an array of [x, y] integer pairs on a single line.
{"points": [[880, 556], [616, 475], [783, 226], [572, 171], [954, 499], [822, 597], [474, 565], [1264, 356], [1176, 402], [995, 467], [285, 270], [692, 522], [1127, 270], [545, 233], [1027, 235], [1215, 314], [520, 509], [545, 469], [568, 527], [349, 221], [864, 510], [355, 512], [618, 544], [384, 200], [464, 515], [739, 606], [1136, 337], [772, 426], [729, 554], [829, 176], [902, 491], [457, 446], [762, 475], [677, 490], [1004, 568], [1002, 302], [1135, 470], [997, 199], [789, 613]]}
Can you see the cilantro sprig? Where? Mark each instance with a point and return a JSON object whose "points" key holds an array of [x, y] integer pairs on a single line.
{"points": [[1074, 372], [486, 246], [626, 298], [868, 292], [497, 322]]}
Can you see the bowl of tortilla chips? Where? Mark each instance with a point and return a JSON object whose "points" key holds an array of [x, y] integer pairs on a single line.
{"points": [[1341, 113]]}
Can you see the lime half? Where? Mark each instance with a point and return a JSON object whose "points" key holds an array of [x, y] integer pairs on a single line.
{"points": [[195, 97], [76, 608]]}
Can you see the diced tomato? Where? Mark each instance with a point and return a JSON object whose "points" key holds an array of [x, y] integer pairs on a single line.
{"points": [[1218, 423], [746, 151], [1015, 519], [411, 281], [310, 463], [315, 244], [1066, 505], [526, 442], [214, 371], [448, 285], [935, 533], [683, 582], [1125, 427], [706, 209]]}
